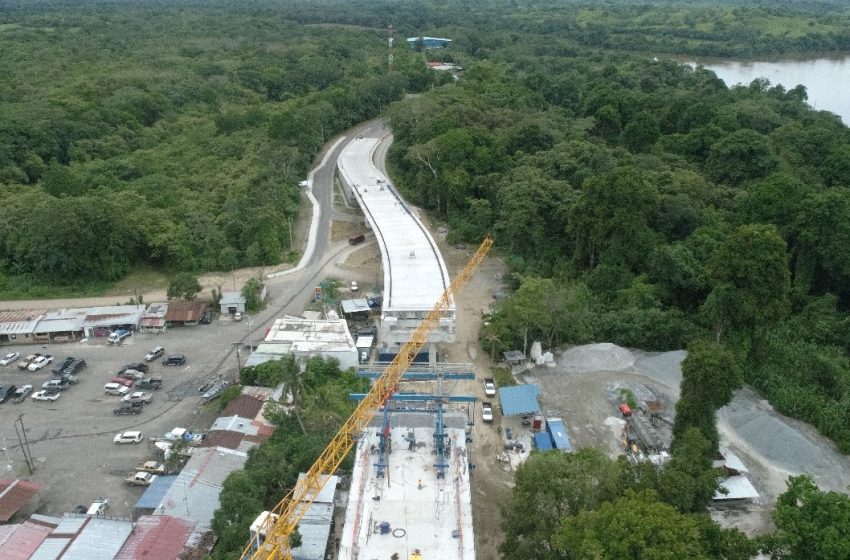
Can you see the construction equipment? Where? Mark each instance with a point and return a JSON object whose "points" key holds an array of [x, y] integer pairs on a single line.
{"points": [[277, 526]]}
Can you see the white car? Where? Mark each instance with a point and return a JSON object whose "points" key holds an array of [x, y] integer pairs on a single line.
{"points": [[9, 358], [46, 396], [128, 437], [354, 287], [40, 362], [487, 412], [137, 397], [115, 389]]}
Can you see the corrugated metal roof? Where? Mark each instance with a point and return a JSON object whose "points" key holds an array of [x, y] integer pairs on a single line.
{"points": [[154, 493], [19, 322], [194, 495], [50, 548], [98, 539], [236, 424], [359, 305], [230, 297], [246, 406], [113, 315], [519, 400], [542, 441], [61, 320], [14, 494], [315, 526], [19, 542], [156, 537], [185, 311]]}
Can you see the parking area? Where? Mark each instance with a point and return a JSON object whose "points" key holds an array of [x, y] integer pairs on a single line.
{"points": [[71, 439]]}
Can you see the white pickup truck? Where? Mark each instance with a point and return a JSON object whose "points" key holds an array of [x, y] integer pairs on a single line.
{"points": [[141, 479]]}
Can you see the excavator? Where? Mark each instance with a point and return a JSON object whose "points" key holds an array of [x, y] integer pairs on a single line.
{"points": [[272, 541]]}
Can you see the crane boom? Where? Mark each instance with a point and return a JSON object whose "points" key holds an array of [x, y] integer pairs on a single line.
{"points": [[286, 515]]}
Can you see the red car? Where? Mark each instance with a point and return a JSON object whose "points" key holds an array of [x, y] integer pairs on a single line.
{"points": [[125, 382]]}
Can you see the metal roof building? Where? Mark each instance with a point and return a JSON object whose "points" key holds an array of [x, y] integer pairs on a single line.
{"points": [[306, 338], [153, 494], [194, 495], [415, 275], [112, 316], [315, 526], [19, 326], [19, 542], [156, 537], [84, 538], [14, 494], [519, 399]]}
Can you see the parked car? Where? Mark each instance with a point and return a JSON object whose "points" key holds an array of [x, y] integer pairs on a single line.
{"points": [[122, 381], [128, 408], [354, 287], [115, 389], [6, 391], [151, 467], [40, 362], [46, 395], [98, 506], [237, 316], [117, 336], [490, 387], [59, 367], [22, 393], [128, 437], [25, 362], [74, 367], [59, 384], [157, 352], [207, 318], [140, 479], [69, 379], [138, 366], [175, 360], [9, 358], [137, 397], [79, 509], [149, 383], [131, 374], [487, 411]]}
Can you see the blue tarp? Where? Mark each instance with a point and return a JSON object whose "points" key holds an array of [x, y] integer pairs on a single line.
{"points": [[542, 441], [156, 492], [519, 400]]}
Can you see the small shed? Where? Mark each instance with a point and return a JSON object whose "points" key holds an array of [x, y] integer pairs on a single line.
{"points": [[555, 428], [514, 357], [183, 313], [153, 320], [356, 308], [154, 494], [231, 302], [519, 400]]}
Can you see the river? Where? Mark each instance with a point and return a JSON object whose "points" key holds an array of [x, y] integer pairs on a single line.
{"points": [[827, 80]]}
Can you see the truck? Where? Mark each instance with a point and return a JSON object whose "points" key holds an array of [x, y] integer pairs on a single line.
{"points": [[117, 336], [25, 362], [487, 411], [151, 467], [490, 387], [153, 383], [131, 408], [140, 478]]}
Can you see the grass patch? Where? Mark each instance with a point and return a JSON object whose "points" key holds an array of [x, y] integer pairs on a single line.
{"points": [[503, 377], [140, 281], [22, 287]]}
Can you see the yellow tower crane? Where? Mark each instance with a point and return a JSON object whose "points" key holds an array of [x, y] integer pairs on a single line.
{"points": [[279, 524]]}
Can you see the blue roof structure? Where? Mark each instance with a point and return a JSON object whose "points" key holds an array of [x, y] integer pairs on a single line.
{"points": [[543, 441], [519, 400], [155, 492]]}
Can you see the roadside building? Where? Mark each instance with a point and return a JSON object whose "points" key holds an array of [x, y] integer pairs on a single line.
{"points": [[304, 338], [101, 321], [231, 302], [153, 319], [84, 538], [156, 537], [17, 327], [428, 42], [153, 495], [182, 313]]}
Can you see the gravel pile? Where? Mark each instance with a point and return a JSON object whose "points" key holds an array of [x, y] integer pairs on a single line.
{"points": [[663, 367], [596, 357]]}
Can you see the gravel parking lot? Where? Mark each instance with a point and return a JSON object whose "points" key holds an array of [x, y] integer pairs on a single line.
{"points": [[71, 439]]}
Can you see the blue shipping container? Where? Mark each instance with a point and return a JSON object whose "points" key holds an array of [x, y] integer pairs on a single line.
{"points": [[555, 428], [543, 441]]}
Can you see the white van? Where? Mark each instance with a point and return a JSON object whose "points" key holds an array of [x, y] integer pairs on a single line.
{"points": [[117, 336]]}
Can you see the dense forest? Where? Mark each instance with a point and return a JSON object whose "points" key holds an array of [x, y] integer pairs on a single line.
{"points": [[177, 143]]}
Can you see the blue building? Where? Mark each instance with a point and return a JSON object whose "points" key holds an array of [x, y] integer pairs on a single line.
{"points": [[428, 42]]}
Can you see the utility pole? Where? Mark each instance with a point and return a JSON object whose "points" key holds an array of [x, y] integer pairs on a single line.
{"points": [[24, 443], [238, 360]]}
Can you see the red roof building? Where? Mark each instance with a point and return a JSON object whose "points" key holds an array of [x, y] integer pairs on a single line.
{"points": [[156, 537], [14, 494]]}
